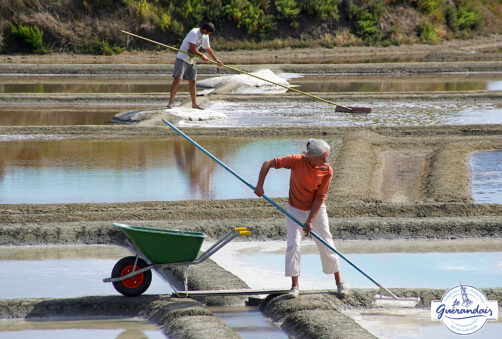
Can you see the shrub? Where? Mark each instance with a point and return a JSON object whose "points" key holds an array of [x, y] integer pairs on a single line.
{"points": [[215, 13], [97, 46], [430, 6], [191, 12], [165, 21], [24, 38], [322, 9], [427, 34], [470, 19], [143, 10], [250, 15], [451, 17], [287, 10], [366, 20]]}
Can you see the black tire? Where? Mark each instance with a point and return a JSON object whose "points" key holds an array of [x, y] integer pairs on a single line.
{"points": [[136, 285]]}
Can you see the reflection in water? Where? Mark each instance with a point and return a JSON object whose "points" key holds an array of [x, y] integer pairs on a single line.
{"points": [[38, 116], [248, 322], [193, 163], [486, 170], [330, 84], [308, 83], [122, 170], [122, 328]]}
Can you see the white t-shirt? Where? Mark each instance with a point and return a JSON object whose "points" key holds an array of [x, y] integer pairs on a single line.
{"points": [[195, 37]]}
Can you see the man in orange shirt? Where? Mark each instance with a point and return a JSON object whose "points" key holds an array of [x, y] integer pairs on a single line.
{"points": [[308, 186]]}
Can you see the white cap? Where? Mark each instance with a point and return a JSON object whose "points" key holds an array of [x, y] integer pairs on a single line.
{"points": [[317, 147]]}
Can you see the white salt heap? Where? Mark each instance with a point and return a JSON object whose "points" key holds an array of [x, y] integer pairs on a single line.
{"points": [[153, 117], [242, 82]]}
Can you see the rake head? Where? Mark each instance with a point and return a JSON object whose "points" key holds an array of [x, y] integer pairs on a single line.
{"points": [[352, 109]]}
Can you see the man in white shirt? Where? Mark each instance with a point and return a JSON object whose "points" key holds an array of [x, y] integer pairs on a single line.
{"points": [[185, 66]]}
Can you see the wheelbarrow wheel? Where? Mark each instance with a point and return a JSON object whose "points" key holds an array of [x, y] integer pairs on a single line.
{"points": [[136, 285]]}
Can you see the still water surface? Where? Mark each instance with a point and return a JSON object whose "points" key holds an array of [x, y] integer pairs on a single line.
{"points": [[248, 322], [164, 169], [147, 169], [307, 83], [251, 261], [486, 169], [122, 328]]}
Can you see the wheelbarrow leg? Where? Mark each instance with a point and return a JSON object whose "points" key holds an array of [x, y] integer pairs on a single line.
{"points": [[185, 278], [135, 263]]}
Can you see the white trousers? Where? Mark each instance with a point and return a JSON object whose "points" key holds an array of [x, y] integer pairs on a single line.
{"points": [[320, 225]]}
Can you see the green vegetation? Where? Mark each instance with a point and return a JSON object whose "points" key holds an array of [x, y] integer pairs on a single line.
{"points": [[427, 34], [322, 9], [366, 19], [24, 38], [93, 26]]}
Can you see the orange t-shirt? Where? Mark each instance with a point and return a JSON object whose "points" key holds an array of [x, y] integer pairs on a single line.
{"points": [[306, 183]]}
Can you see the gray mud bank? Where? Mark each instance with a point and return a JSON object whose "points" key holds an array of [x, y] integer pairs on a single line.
{"points": [[328, 68]]}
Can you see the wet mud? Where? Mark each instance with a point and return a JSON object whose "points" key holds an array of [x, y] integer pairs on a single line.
{"points": [[178, 318]]}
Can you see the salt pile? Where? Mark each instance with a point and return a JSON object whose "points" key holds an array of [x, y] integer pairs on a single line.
{"points": [[243, 81], [153, 117]]}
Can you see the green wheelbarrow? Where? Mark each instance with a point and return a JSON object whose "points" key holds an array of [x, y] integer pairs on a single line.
{"points": [[156, 248]]}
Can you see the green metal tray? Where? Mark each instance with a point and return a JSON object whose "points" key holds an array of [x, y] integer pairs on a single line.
{"points": [[162, 246]]}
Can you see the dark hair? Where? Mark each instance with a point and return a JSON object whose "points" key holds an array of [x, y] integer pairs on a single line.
{"points": [[208, 26]]}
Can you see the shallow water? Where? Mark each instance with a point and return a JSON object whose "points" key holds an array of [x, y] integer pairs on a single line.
{"points": [[316, 113], [303, 82], [119, 328], [272, 113], [435, 269], [58, 116], [147, 169], [56, 272], [394, 324], [248, 322], [486, 169], [253, 113]]}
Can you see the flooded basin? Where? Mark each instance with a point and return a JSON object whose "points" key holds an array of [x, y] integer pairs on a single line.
{"points": [[309, 83], [250, 113], [63, 271], [248, 322], [443, 266], [277, 112], [391, 324], [401, 83], [119, 328], [486, 171], [395, 113], [149, 169], [58, 115], [86, 84]]}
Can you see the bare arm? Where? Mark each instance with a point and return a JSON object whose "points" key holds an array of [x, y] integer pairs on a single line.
{"points": [[267, 165], [211, 53], [193, 49]]}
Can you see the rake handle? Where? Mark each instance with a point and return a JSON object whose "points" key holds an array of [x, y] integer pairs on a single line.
{"points": [[238, 70], [279, 207]]}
